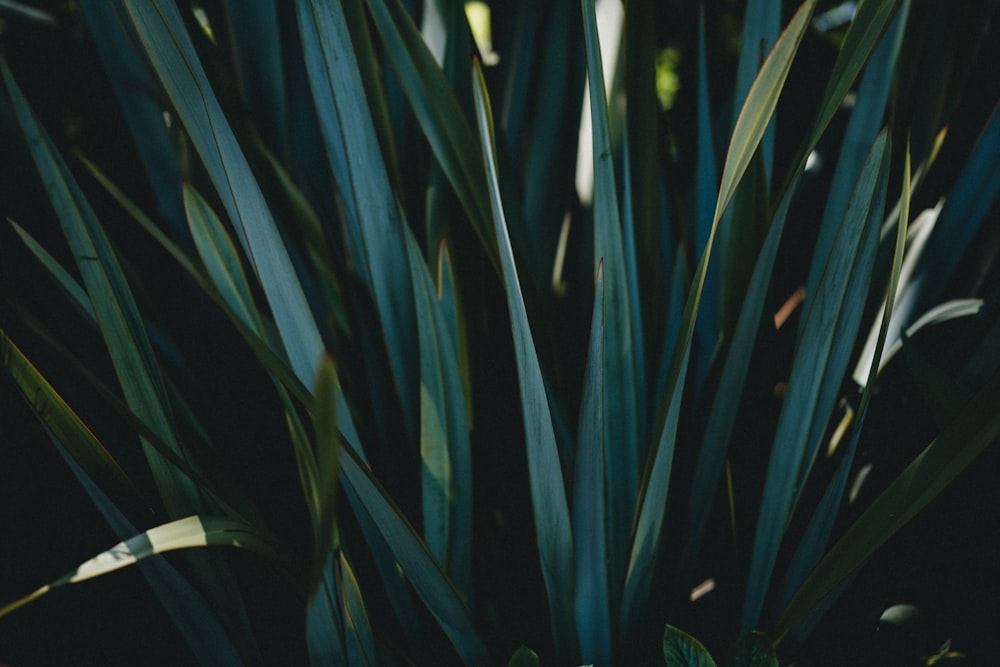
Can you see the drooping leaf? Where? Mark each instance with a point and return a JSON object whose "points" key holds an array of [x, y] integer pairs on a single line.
{"points": [[112, 300], [187, 533], [66, 427]]}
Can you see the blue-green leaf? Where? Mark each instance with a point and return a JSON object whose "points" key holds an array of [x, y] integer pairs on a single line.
{"points": [[548, 491], [622, 454], [429, 581], [865, 122], [345, 120], [827, 340], [593, 610], [163, 35], [750, 127]]}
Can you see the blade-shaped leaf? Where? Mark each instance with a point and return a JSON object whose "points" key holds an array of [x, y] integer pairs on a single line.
{"points": [[750, 127], [722, 417], [430, 582], [871, 17], [622, 454], [112, 300], [865, 122], [433, 101], [817, 372], [219, 256], [187, 533], [593, 612], [548, 491], [135, 89], [326, 417], [817, 535], [444, 436], [335, 80], [163, 36], [65, 426]]}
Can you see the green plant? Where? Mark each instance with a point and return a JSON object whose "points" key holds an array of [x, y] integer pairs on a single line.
{"points": [[367, 326]]}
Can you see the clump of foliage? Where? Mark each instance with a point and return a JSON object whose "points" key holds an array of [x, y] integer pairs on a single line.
{"points": [[351, 290]]}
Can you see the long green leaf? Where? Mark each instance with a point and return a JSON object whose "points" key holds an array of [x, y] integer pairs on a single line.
{"points": [[750, 126], [335, 80], [166, 42], [131, 80], [593, 613], [965, 210], [706, 194], [326, 418], [324, 622], [722, 416], [220, 258], [817, 372], [67, 282], [444, 435], [65, 425], [430, 582], [433, 101], [865, 122], [814, 541], [622, 454], [870, 20], [112, 300], [255, 39], [548, 491]]}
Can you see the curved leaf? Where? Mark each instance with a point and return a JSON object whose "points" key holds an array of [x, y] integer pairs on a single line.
{"points": [[682, 650]]}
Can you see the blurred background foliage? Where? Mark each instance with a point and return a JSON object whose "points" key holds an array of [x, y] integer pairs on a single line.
{"points": [[394, 237]]}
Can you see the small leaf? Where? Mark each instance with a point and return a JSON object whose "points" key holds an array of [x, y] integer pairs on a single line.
{"points": [[753, 649], [524, 657], [682, 650]]}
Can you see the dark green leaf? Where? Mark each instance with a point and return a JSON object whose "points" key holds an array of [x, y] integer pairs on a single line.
{"points": [[682, 650], [548, 491]]}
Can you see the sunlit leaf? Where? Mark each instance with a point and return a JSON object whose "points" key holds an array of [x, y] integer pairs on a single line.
{"points": [[187, 533]]}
